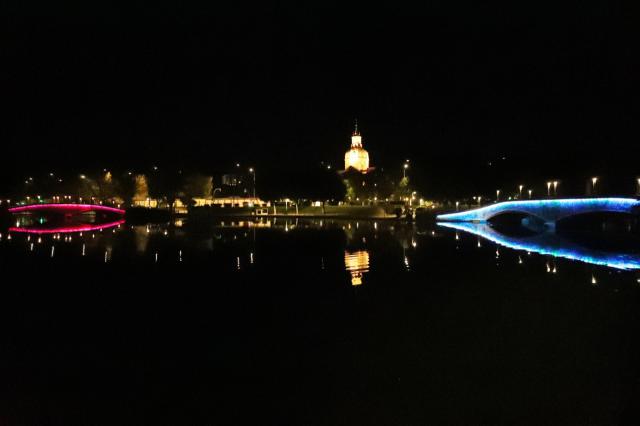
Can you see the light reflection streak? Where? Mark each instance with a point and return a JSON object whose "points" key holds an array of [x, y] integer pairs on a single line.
{"points": [[67, 229], [357, 264], [550, 244]]}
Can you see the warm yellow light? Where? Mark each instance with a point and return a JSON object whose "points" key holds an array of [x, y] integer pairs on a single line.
{"points": [[357, 157], [357, 264]]}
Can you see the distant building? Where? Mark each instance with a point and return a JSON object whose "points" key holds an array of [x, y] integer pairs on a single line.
{"points": [[357, 157], [230, 202], [231, 180], [234, 184]]}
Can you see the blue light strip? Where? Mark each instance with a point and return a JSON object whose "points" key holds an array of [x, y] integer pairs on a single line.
{"points": [[542, 208], [549, 244]]}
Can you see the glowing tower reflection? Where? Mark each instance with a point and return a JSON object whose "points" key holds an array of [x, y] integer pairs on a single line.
{"points": [[357, 263]]}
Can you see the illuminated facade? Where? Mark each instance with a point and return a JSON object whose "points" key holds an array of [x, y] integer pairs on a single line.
{"points": [[357, 157]]}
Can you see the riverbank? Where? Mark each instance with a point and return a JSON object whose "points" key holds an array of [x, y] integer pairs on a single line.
{"points": [[142, 215], [341, 212], [146, 215]]}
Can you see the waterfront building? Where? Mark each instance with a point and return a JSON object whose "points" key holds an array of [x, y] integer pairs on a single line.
{"points": [[230, 202]]}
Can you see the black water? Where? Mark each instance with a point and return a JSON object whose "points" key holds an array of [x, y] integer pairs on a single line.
{"points": [[331, 322]]}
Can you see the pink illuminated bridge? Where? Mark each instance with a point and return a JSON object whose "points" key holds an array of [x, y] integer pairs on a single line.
{"points": [[66, 208]]}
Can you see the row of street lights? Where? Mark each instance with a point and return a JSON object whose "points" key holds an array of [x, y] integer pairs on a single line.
{"points": [[553, 184]]}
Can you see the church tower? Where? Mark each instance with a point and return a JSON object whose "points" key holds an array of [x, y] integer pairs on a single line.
{"points": [[357, 157]]}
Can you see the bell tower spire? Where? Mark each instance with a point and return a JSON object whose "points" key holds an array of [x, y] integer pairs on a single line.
{"points": [[356, 139]]}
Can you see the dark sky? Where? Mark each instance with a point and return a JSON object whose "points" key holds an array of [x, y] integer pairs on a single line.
{"points": [[209, 84]]}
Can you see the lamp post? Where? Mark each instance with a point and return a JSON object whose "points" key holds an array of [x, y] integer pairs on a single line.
{"points": [[555, 188], [530, 192], [638, 186], [594, 180], [404, 169], [520, 191], [253, 172], [548, 189], [497, 195], [458, 202]]}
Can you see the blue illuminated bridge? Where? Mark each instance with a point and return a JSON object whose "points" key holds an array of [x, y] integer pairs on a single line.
{"points": [[548, 211]]}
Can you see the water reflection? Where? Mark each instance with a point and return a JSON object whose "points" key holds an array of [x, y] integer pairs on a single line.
{"points": [[65, 229], [362, 249], [550, 243], [357, 264]]}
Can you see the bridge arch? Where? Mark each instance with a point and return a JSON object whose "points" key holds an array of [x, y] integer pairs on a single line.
{"points": [[67, 207], [515, 212], [549, 211]]}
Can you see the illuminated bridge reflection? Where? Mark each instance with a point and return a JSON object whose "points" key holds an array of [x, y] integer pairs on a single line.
{"points": [[549, 243], [65, 229]]}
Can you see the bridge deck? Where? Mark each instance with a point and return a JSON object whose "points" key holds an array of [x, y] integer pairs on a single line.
{"points": [[548, 210], [71, 208]]}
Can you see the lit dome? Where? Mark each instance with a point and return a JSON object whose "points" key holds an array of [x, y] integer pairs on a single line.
{"points": [[357, 157]]}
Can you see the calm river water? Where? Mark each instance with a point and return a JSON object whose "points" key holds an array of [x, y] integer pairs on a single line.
{"points": [[316, 322]]}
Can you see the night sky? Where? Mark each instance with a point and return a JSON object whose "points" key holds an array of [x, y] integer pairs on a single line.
{"points": [[452, 85]]}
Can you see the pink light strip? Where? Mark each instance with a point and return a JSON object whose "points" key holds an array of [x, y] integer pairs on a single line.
{"points": [[68, 229], [76, 207]]}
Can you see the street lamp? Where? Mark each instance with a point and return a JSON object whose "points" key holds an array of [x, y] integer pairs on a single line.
{"points": [[458, 202], [404, 169], [497, 195], [253, 172], [530, 192], [520, 191], [555, 188], [638, 186], [548, 189], [594, 180]]}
